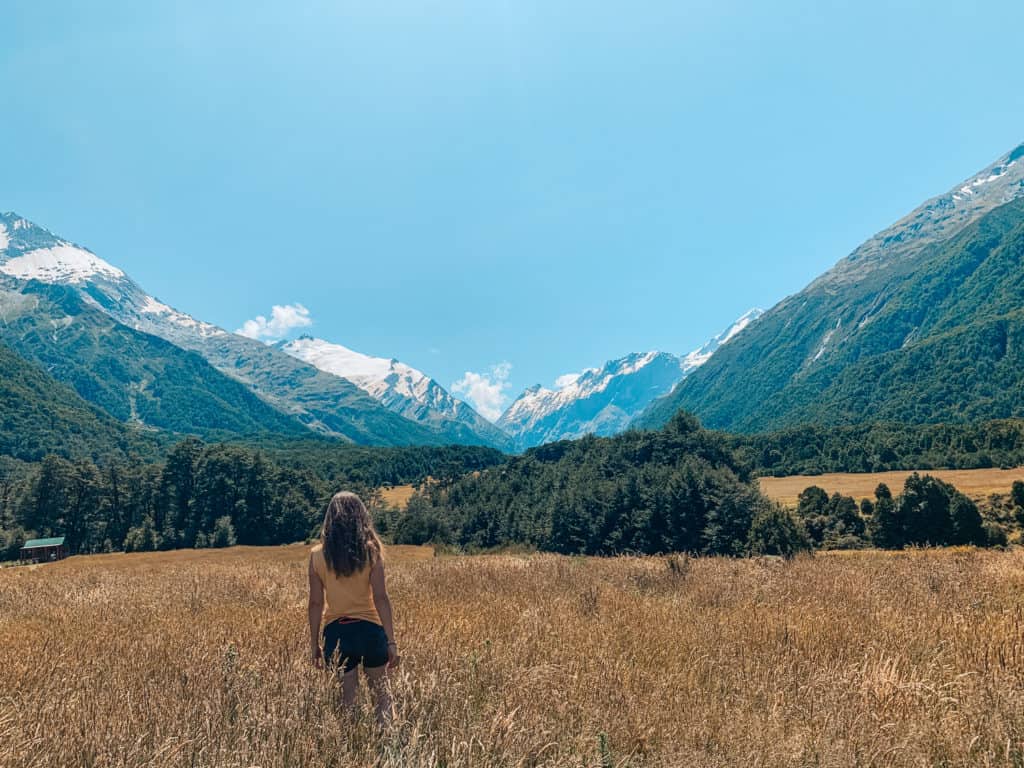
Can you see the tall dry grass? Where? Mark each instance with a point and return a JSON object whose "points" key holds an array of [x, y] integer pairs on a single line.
{"points": [[199, 659]]}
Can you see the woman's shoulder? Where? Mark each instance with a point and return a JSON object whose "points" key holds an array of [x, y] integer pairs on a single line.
{"points": [[317, 553]]}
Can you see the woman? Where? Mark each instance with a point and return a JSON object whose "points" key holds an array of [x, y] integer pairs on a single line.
{"points": [[348, 566]]}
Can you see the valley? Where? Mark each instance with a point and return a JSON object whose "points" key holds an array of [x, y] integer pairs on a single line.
{"points": [[512, 385]]}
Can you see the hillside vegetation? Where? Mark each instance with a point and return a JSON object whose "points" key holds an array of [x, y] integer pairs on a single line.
{"points": [[935, 335], [882, 446], [184, 659], [39, 416], [133, 377]]}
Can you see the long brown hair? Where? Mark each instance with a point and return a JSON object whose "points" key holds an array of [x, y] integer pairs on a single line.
{"points": [[350, 543]]}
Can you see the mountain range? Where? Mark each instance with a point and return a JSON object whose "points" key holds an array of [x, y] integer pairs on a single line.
{"points": [[93, 328], [922, 323], [87, 324], [399, 387], [605, 401]]}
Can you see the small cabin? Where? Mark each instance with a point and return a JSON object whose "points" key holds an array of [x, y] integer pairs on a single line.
{"points": [[43, 550]]}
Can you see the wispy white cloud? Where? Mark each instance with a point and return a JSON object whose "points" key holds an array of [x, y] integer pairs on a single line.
{"points": [[283, 319], [487, 392]]}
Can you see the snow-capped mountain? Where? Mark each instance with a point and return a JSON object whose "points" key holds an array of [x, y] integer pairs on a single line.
{"points": [[30, 252], [31, 256], [605, 400], [398, 386]]}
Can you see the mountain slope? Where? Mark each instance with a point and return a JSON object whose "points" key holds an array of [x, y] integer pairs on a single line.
{"points": [[401, 388], [39, 416], [290, 390], [132, 376], [920, 324], [604, 401]]}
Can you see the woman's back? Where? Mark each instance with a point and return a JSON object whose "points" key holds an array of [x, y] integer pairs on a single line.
{"points": [[346, 596]]}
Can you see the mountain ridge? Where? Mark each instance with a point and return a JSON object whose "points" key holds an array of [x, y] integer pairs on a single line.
{"points": [[322, 402], [606, 400], [826, 353], [400, 387]]}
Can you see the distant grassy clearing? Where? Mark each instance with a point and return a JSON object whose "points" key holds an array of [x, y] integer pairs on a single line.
{"points": [[398, 495], [199, 658], [976, 483]]}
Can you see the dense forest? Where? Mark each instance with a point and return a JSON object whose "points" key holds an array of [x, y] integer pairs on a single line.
{"points": [[880, 447], [681, 489], [202, 495]]}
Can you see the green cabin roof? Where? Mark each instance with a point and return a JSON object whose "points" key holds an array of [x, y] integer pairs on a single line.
{"points": [[38, 543]]}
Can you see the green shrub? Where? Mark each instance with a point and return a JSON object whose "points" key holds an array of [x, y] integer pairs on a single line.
{"points": [[776, 531]]}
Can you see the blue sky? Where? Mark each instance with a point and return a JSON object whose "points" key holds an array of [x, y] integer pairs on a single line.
{"points": [[534, 185]]}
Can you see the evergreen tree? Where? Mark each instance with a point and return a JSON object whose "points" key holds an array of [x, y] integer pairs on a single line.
{"points": [[887, 529], [924, 508], [44, 509], [867, 508], [967, 526]]}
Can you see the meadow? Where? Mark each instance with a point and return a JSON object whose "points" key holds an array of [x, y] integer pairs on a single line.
{"points": [[978, 484], [199, 658]]}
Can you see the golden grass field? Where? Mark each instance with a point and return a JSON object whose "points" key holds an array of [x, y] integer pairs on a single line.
{"points": [[200, 659], [979, 484], [397, 495]]}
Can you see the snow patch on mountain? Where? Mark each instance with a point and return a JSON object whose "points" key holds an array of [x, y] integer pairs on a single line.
{"points": [[377, 376], [598, 400], [150, 314], [62, 263], [4, 239], [700, 356], [399, 387]]}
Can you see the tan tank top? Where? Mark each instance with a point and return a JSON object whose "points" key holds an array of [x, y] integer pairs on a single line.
{"points": [[350, 596]]}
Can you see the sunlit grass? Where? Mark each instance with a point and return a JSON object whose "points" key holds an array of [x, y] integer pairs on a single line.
{"points": [[976, 483]]}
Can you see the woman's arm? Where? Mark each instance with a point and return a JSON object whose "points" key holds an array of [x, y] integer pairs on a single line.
{"points": [[316, 614], [382, 602]]}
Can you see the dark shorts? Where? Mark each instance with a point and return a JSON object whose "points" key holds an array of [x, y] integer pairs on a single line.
{"points": [[349, 644]]}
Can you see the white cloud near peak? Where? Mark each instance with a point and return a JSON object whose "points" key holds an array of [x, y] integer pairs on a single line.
{"points": [[283, 319], [487, 392]]}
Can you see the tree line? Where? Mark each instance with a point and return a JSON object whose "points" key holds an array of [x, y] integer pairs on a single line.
{"points": [[203, 495], [928, 512], [880, 447], [681, 489]]}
